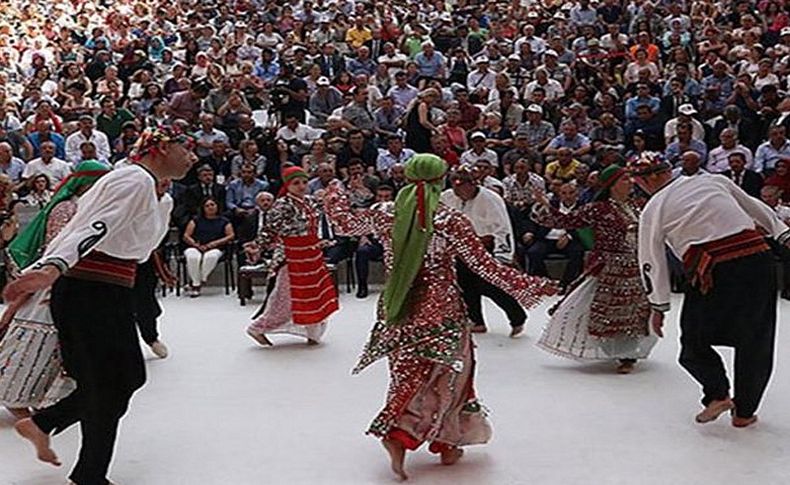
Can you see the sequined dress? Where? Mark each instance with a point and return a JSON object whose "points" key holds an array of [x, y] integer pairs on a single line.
{"points": [[606, 314], [31, 375], [303, 296], [431, 392]]}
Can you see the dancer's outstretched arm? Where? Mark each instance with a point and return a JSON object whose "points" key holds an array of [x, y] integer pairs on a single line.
{"points": [[354, 223], [464, 244]]}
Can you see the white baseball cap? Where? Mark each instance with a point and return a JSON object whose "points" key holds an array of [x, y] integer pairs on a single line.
{"points": [[687, 109], [534, 108]]}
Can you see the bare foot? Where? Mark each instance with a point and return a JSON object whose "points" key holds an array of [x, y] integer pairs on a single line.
{"points": [[479, 329], [312, 342], [397, 456], [714, 410], [40, 440], [451, 455], [743, 422], [20, 413], [260, 338], [625, 368]]}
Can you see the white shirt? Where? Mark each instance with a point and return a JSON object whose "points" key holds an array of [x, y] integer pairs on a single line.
{"points": [[470, 158], [121, 216], [477, 79], [302, 133], [690, 211], [718, 158], [488, 214], [99, 140], [555, 234], [56, 170]]}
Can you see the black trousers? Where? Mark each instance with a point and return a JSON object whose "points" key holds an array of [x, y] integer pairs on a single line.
{"points": [[364, 255], [101, 351], [740, 312], [474, 288], [783, 253], [146, 305], [574, 251]]}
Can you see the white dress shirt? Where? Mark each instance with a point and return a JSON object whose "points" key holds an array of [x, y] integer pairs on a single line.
{"points": [[56, 170]]}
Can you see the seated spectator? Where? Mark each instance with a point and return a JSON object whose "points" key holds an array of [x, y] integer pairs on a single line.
{"points": [[750, 181], [325, 175], [393, 154], [564, 167], [40, 191], [685, 142], [520, 185], [485, 176], [205, 235], [770, 152], [369, 248], [356, 147], [220, 160], [718, 158], [207, 134], [771, 195], [318, 155], [361, 186], [240, 200], [781, 179], [111, 119], [206, 187], [570, 138], [248, 155], [87, 132], [54, 168], [44, 133], [11, 166], [542, 242], [479, 151]]}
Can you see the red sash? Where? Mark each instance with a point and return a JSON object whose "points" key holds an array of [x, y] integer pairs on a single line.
{"points": [[700, 259], [97, 266], [313, 294]]}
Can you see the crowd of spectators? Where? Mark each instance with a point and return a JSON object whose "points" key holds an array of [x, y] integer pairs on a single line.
{"points": [[525, 94]]}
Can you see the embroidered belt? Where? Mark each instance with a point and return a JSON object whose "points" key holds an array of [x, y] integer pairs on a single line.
{"points": [[700, 259], [97, 266]]}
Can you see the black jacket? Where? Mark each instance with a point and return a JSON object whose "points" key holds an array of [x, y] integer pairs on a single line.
{"points": [[751, 181]]}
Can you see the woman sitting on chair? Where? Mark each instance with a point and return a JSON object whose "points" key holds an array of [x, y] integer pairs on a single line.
{"points": [[205, 235]]}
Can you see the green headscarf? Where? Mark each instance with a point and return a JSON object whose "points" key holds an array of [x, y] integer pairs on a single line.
{"points": [[26, 247], [415, 207]]}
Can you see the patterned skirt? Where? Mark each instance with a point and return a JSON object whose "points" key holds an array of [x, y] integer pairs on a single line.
{"points": [[569, 331], [31, 373]]}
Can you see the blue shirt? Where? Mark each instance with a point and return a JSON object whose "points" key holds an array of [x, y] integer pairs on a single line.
{"points": [[14, 169], [56, 138], [561, 141], [357, 67], [673, 152], [634, 103], [429, 67], [241, 196], [267, 72]]}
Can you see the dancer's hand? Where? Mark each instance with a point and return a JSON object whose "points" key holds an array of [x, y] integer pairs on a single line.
{"points": [[29, 283], [657, 322]]}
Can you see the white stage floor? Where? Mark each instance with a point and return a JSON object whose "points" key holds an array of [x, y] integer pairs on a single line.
{"points": [[222, 411]]}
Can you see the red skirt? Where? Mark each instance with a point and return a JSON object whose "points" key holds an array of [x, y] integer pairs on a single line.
{"points": [[313, 294]]}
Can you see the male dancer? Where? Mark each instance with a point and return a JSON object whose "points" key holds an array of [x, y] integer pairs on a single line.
{"points": [[488, 214], [91, 268], [712, 225]]}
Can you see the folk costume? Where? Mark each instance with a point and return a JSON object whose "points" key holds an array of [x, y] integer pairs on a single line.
{"points": [[31, 374], [118, 223], [717, 230], [304, 295], [606, 314], [422, 324]]}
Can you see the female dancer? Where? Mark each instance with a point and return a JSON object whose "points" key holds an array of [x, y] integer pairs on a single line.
{"points": [[606, 315], [304, 296], [422, 325], [30, 369]]}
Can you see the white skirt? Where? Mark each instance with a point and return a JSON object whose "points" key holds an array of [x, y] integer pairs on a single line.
{"points": [[31, 372], [566, 334]]}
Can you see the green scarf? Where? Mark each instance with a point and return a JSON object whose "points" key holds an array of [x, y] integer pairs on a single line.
{"points": [[414, 210], [25, 249]]}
